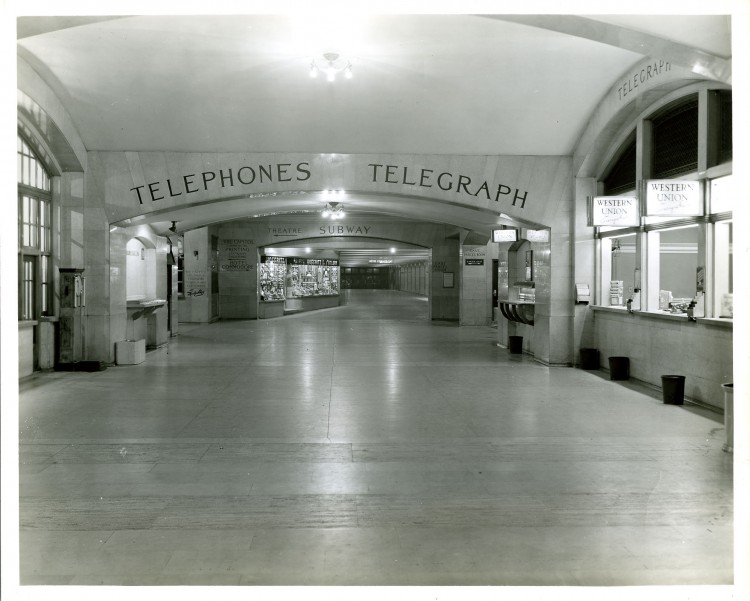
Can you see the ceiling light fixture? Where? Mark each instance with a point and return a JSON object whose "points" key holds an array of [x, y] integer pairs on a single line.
{"points": [[331, 63], [333, 210]]}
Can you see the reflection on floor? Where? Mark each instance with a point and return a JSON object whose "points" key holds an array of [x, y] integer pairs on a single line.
{"points": [[364, 445]]}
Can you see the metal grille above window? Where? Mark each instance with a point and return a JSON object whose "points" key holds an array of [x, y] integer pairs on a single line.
{"points": [[675, 138], [725, 127], [621, 176]]}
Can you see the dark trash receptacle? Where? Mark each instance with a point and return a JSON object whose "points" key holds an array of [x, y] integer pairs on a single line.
{"points": [[589, 358], [673, 389], [515, 344], [619, 368]]}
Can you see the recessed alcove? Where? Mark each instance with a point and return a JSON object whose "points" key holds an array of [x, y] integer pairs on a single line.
{"points": [[141, 269]]}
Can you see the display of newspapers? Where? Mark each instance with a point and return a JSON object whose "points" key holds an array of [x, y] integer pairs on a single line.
{"points": [[616, 292], [727, 305]]}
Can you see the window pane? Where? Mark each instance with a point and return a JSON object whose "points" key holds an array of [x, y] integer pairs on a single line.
{"points": [[44, 241], [44, 277], [723, 264], [618, 269], [722, 194], [31, 171], [27, 289], [25, 220], [34, 223], [677, 266]]}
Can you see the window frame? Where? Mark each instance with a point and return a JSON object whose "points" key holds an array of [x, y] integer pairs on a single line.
{"points": [[35, 226], [707, 258]]}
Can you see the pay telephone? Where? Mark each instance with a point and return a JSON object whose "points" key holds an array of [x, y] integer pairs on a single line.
{"points": [[72, 301]]}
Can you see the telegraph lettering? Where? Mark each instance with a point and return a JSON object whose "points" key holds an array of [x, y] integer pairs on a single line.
{"points": [[246, 175], [641, 77], [447, 182]]}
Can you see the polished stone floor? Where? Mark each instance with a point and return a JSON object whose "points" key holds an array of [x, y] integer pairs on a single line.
{"points": [[365, 445]]}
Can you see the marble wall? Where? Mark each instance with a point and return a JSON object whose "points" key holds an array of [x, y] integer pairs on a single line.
{"points": [[195, 307], [658, 345], [476, 294], [238, 272], [413, 277], [446, 280]]}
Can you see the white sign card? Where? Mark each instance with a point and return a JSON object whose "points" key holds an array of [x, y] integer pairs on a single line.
{"points": [[673, 198], [615, 211], [504, 235], [536, 235]]}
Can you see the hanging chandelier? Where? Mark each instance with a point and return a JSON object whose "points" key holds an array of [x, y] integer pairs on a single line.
{"points": [[333, 210], [331, 63]]}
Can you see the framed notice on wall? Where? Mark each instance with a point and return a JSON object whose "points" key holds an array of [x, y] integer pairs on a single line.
{"points": [[448, 279]]}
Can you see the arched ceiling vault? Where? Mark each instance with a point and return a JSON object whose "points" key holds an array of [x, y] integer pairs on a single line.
{"points": [[424, 84]]}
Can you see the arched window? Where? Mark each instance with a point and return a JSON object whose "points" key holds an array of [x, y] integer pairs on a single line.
{"points": [[680, 260], [34, 234]]}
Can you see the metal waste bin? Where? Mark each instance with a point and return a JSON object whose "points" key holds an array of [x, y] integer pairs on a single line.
{"points": [[619, 368], [589, 358], [673, 389]]}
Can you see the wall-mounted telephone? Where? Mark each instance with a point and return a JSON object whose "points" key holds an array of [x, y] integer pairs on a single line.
{"points": [[583, 294]]}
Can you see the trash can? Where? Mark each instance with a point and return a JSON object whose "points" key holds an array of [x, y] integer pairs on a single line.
{"points": [[619, 368], [673, 389], [515, 344], [589, 358], [729, 416]]}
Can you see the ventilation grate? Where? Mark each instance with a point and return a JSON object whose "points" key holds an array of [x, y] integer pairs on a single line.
{"points": [[676, 141], [621, 177]]}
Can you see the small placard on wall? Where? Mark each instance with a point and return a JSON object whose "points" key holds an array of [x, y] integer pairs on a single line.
{"points": [[448, 279], [474, 262]]}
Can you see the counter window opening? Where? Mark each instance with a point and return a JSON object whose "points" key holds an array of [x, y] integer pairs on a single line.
{"points": [[680, 264], [179, 252], [34, 235], [140, 269]]}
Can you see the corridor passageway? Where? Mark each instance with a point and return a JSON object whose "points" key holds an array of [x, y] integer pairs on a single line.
{"points": [[365, 445]]}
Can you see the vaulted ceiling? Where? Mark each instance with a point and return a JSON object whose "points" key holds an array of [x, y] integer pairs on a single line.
{"points": [[429, 84], [448, 84]]}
